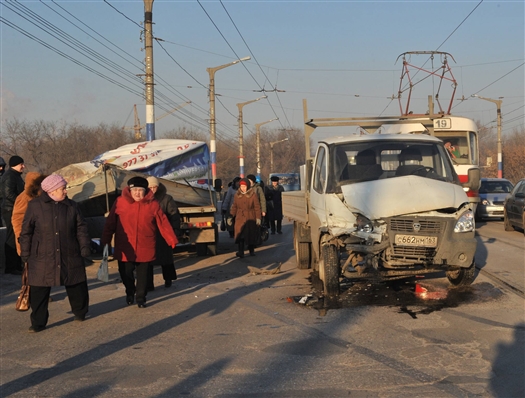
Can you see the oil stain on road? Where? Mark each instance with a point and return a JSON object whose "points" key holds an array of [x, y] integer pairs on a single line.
{"points": [[415, 296]]}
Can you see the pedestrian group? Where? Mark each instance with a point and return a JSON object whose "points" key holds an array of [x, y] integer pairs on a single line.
{"points": [[47, 234]]}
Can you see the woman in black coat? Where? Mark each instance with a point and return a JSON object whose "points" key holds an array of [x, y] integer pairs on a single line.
{"points": [[163, 251], [53, 240]]}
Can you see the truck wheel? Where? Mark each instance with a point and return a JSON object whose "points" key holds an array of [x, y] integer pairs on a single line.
{"points": [[302, 255], [329, 270], [506, 223], [201, 249], [302, 249], [462, 276], [212, 249]]}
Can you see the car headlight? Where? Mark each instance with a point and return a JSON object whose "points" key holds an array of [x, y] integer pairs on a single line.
{"points": [[363, 224], [485, 202], [465, 223]]}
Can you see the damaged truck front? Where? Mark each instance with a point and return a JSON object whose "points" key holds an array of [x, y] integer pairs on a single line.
{"points": [[383, 206]]}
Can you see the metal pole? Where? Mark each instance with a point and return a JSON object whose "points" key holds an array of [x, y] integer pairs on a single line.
{"points": [[241, 152], [213, 144], [150, 110], [241, 139], [271, 152], [271, 157], [500, 154], [258, 144], [498, 107]]}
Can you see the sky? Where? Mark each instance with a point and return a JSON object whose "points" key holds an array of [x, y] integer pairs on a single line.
{"points": [[82, 61]]}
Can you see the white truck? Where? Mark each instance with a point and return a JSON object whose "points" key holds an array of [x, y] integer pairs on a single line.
{"points": [[381, 206]]}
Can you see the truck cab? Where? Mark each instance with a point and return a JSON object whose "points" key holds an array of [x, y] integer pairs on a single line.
{"points": [[384, 206]]}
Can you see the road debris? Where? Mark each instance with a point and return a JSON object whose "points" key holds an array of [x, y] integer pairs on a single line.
{"points": [[258, 271]]}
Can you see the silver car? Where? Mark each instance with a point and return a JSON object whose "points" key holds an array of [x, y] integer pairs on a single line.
{"points": [[492, 194]]}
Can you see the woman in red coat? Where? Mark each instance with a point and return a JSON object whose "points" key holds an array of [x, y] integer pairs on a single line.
{"points": [[134, 219], [247, 212]]}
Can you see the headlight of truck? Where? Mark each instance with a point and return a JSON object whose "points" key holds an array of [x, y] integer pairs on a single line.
{"points": [[363, 224], [485, 202], [465, 222]]}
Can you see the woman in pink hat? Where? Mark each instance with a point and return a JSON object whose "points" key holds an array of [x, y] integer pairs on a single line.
{"points": [[53, 240]]}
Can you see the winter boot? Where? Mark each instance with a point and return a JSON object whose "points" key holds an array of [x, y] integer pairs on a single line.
{"points": [[251, 248], [240, 253]]}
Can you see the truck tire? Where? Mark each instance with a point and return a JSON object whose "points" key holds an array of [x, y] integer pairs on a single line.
{"points": [[212, 249], [302, 249], [329, 270], [201, 249], [462, 276], [302, 255], [506, 223]]}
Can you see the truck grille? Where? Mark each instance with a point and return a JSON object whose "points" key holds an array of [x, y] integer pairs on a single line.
{"points": [[414, 252], [407, 226]]}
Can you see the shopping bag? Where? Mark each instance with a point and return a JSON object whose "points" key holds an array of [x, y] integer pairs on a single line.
{"points": [[103, 271], [22, 303]]}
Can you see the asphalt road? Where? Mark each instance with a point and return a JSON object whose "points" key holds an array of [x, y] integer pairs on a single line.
{"points": [[221, 332]]}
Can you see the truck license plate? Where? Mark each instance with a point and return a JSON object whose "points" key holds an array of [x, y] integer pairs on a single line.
{"points": [[412, 240]]}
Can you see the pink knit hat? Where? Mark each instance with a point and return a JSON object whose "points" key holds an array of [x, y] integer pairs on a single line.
{"points": [[53, 182]]}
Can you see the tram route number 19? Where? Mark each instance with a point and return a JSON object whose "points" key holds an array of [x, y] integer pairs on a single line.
{"points": [[444, 123]]}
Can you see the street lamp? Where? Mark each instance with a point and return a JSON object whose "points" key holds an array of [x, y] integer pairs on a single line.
{"points": [[150, 101], [498, 105], [241, 152], [258, 143], [271, 152], [213, 147]]}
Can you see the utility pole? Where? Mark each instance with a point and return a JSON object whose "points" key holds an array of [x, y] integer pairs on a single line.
{"points": [[150, 109], [498, 106], [241, 139], [213, 146], [271, 152], [258, 143]]}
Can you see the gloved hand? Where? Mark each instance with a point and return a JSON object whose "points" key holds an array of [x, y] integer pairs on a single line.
{"points": [[258, 221], [85, 252], [24, 259]]}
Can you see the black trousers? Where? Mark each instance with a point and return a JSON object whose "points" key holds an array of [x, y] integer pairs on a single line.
{"points": [[39, 300], [12, 259], [126, 271], [279, 225], [168, 274]]}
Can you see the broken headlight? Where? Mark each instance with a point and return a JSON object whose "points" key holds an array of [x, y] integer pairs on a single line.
{"points": [[466, 222], [363, 224]]}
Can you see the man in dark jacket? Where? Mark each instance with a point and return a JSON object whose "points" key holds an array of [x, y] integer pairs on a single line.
{"points": [[2, 171], [164, 253], [275, 204], [53, 240], [12, 185]]}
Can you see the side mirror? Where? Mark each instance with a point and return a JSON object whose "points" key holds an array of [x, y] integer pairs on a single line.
{"points": [[217, 185], [474, 179]]}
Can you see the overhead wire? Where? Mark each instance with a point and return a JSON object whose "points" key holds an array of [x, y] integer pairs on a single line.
{"points": [[66, 56], [257, 62], [70, 41]]}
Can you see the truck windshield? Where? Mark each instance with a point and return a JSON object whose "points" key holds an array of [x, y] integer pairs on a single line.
{"points": [[368, 161]]}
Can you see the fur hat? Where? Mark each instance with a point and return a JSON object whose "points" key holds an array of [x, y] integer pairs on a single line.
{"points": [[152, 181], [251, 177], [274, 178], [53, 182], [15, 161], [138, 182]]}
